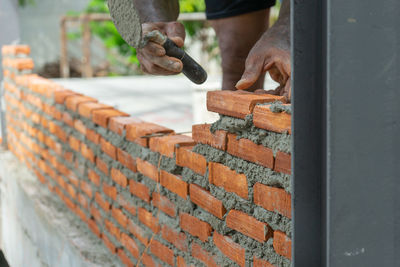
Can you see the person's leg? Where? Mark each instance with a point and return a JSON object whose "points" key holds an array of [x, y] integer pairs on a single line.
{"points": [[236, 36]]}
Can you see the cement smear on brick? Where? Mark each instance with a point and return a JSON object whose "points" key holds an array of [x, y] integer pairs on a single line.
{"points": [[278, 107], [246, 129]]}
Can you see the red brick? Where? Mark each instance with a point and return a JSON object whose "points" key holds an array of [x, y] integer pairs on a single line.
{"points": [[202, 255], [127, 205], [118, 124], [195, 226], [72, 102], [138, 232], [273, 199], [135, 132], [114, 230], [178, 239], [93, 226], [148, 261], [125, 259], [86, 109], [148, 219], [69, 203], [185, 157], [264, 118], [147, 169], [174, 184], [105, 205], [80, 213], [108, 148], [237, 104], [282, 244], [162, 252], [230, 249], [119, 216], [71, 190], [164, 204], [283, 162], [102, 165], [110, 191], [201, 134], [83, 201], [87, 153], [109, 244], [205, 200], [102, 116], [86, 188], [94, 177], [130, 245], [61, 95], [166, 145], [180, 262], [95, 213], [66, 118], [74, 143], [93, 136], [118, 177], [80, 127], [140, 190], [248, 225], [261, 263], [15, 49], [246, 149], [19, 63], [127, 160], [230, 180]]}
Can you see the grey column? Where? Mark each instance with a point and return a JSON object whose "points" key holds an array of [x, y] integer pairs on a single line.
{"points": [[346, 77]]}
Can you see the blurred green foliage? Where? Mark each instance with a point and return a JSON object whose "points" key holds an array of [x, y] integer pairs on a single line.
{"points": [[25, 2]]}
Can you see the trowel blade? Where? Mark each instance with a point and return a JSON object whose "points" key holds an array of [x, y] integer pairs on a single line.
{"points": [[126, 20]]}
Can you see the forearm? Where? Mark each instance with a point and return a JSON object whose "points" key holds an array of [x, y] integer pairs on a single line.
{"points": [[282, 25], [157, 10]]}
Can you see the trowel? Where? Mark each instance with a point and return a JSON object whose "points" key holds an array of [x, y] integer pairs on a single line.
{"points": [[127, 21]]}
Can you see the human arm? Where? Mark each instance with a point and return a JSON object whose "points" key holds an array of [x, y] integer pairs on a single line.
{"points": [[271, 53]]}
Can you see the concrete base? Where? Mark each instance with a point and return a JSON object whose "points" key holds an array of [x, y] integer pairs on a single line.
{"points": [[36, 228]]}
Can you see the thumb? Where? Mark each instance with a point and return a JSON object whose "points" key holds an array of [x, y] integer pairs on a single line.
{"points": [[251, 74]]}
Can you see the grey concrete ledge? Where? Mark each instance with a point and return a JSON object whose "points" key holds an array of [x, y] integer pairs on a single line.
{"points": [[37, 229]]}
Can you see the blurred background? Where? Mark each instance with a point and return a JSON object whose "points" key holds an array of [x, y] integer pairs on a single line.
{"points": [[76, 43]]}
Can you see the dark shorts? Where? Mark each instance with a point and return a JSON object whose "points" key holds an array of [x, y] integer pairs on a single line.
{"points": [[216, 9]]}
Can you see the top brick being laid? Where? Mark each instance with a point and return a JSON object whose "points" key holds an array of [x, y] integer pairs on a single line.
{"points": [[240, 104]]}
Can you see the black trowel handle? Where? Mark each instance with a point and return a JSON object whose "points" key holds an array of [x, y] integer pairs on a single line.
{"points": [[191, 68]]}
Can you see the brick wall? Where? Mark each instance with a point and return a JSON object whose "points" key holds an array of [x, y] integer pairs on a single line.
{"points": [[218, 198]]}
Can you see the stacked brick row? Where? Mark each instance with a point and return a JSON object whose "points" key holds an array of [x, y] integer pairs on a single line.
{"points": [[218, 198]]}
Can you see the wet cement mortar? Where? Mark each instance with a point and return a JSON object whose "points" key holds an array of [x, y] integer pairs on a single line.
{"points": [[278, 107], [246, 129], [253, 172]]}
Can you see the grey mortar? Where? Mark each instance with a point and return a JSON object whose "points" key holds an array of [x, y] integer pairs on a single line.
{"points": [[278, 107], [246, 129], [254, 173]]}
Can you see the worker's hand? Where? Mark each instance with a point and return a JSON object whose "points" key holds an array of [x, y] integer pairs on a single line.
{"points": [[152, 57], [270, 53]]}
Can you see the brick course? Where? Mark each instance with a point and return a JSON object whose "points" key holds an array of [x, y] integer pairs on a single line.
{"points": [[185, 194]]}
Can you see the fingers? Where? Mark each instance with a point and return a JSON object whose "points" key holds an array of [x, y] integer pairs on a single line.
{"points": [[176, 32], [253, 69], [154, 49], [152, 64], [287, 91], [153, 57]]}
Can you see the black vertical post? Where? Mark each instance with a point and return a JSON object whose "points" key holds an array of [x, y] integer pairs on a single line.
{"points": [[346, 151]]}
